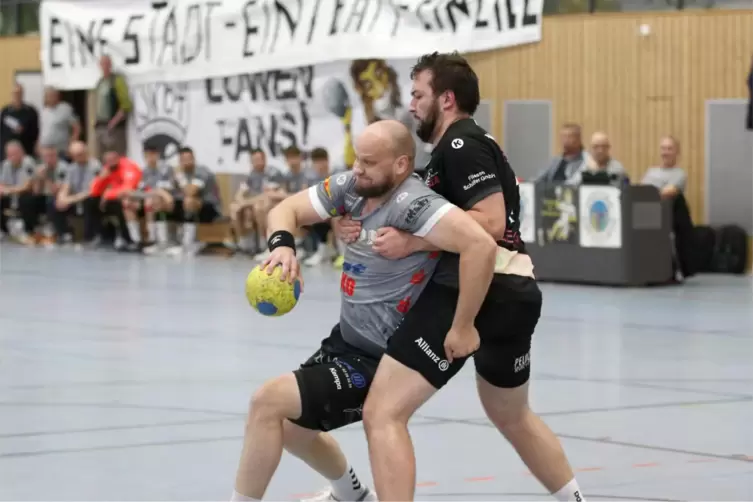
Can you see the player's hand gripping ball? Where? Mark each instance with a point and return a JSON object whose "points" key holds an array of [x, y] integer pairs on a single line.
{"points": [[269, 295]]}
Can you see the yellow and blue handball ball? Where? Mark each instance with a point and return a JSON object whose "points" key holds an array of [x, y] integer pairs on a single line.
{"points": [[269, 295]]}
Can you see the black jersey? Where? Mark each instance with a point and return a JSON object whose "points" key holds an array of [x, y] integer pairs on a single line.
{"points": [[466, 166]]}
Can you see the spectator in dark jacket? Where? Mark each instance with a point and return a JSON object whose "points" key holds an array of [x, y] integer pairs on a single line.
{"points": [[19, 122]]}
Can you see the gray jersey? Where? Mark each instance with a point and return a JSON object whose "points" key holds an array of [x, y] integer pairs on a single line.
{"points": [[377, 292], [205, 180], [11, 176], [661, 177], [54, 174], [79, 177], [257, 181], [295, 182], [159, 177]]}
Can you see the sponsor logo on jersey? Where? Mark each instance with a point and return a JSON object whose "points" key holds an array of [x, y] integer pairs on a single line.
{"points": [[416, 209]]}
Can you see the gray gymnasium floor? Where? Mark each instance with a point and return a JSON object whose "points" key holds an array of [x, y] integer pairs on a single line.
{"points": [[126, 378]]}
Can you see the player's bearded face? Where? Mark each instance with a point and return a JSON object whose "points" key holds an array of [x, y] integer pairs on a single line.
{"points": [[373, 179], [428, 122]]}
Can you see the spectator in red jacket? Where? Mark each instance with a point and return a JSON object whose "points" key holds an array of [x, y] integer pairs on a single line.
{"points": [[119, 177]]}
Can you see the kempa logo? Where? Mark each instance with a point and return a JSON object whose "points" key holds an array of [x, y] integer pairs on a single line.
{"points": [[424, 346], [337, 378]]}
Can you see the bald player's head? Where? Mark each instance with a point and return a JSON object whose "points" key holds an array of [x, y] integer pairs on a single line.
{"points": [[79, 152], [600, 147], [384, 157]]}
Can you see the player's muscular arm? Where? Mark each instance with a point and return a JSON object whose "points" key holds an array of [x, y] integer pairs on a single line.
{"points": [[292, 213], [312, 205], [457, 232]]}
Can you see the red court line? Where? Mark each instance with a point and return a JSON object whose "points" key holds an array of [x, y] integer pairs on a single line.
{"points": [[426, 483], [649, 464], [482, 478], [589, 469]]}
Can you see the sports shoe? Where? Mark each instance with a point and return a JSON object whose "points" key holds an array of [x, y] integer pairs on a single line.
{"points": [[325, 495]]}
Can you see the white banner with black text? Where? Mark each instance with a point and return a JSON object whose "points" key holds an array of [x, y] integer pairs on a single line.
{"points": [[223, 119], [600, 217], [179, 41]]}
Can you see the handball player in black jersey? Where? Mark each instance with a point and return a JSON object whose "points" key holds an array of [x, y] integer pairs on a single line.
{"points": [[470, 170]]}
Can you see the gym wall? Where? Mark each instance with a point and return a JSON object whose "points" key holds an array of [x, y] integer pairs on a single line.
{"points": [[599, 71]]}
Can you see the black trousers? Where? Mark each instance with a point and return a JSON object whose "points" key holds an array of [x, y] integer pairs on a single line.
{"points": [[319, 232], [30, 207], [115, 208], [88, 209]]}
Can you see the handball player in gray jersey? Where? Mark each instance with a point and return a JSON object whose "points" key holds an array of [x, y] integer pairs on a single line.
{"points": [[294, 411]]}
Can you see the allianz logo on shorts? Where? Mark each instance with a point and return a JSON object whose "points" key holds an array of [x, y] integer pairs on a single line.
{"points": [[424, 346]]}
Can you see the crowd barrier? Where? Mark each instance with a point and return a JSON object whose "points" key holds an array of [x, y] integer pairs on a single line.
{"points": [[594, 234]]}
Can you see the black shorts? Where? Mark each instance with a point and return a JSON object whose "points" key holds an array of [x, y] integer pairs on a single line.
{"points": [[207, 213], [333, 384], [505, 328]]}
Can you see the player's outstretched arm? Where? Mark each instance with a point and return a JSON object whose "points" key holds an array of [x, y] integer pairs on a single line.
{"points": [[457, 232], [292, 213]]}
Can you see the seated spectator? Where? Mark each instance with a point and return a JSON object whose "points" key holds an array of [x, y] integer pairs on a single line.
{"points": [[48, 179], [564, 168], [118, 178], [74, 196], [319, 231], [197, 200], [599, 160], [152, 200], [248, 211], [669, 178], [17, 176]]}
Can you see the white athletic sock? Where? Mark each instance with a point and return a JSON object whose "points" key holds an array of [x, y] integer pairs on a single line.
{"points": [[570, 493], [189, 233], [237, 497], [134, 230], [161, 231], [151, 230], [348, 487]]}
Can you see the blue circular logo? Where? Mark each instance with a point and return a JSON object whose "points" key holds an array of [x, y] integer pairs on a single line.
{"points": [[358, 380], [599, 215]]}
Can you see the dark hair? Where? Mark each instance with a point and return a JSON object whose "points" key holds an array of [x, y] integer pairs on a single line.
{"points": [[185, 149], [291, 151], [258, 150], [319, 154], [151, 146], [451, 72]]}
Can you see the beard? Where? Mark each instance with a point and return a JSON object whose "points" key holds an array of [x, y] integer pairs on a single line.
{"points": [[374, 191], [426, 127]]}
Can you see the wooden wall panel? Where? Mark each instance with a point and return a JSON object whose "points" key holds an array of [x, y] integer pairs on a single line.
{"points": [[600, 72], [16, 54]]}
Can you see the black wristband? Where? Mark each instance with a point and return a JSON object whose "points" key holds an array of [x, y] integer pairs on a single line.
{"points": [[281, 238]]}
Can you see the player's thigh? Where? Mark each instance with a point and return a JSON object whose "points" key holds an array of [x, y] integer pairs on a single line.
{"points": [[278, 397], [418, 342], [333, 390], [396, 393], [506, 330]]}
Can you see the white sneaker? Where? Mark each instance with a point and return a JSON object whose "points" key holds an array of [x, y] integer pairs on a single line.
{"points": [[174, 251], [325, 495], [315, 259]]}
